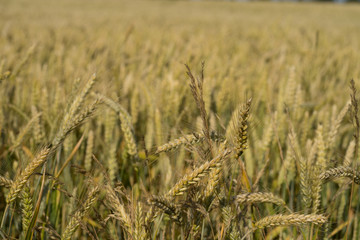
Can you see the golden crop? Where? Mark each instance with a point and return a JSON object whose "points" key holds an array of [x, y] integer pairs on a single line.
{"points": [[179, 120]]}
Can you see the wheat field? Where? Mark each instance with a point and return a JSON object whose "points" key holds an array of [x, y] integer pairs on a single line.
{"points": [[179, 120]]}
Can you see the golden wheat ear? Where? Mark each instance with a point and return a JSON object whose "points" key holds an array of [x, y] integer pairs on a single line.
{"points": [[196, 175], [80, 214], [5, 182], [166, 206], [260, 197], [118, 209], [190, 139], [197, 90], [291, 219], [26, 207], [21, 180], [236, 132], [339, 172], [126, 124]]}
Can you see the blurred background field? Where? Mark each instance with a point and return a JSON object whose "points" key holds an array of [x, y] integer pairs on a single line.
{"points": [[295, 60]]}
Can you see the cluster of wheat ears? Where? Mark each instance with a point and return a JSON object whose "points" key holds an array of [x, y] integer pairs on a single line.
{"points": [[206, 194]]}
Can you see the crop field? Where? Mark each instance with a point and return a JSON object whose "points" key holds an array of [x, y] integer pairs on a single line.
{"points": [[179, 120]]}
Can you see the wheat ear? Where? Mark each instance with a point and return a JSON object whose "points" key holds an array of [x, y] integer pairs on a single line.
{"points": [[21, 180], [139, 230], [126, 127], [89, 151], [5, 182], [73, 123], [118, 209], [78, 101], [195, 176], [126, 124], [341, 172], [166, 206], [38, 133], [291, 219], [260, 197], [318, 168], [215, 174], [237, 130], [189, 139], [79, 214], [24, 131], [349, 155], [26, 207], [196, 86]]}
